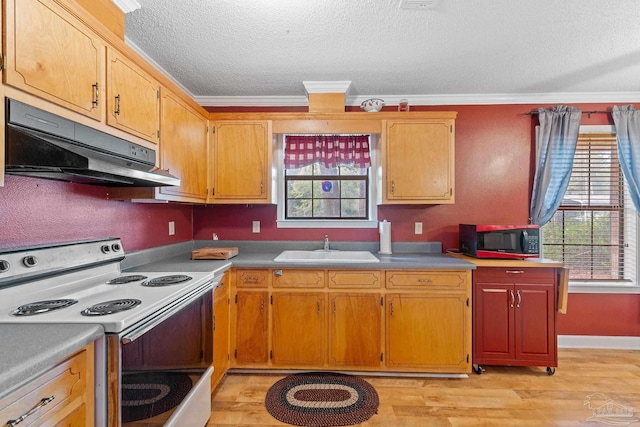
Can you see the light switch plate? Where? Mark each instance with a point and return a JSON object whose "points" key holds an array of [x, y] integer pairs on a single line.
{"points": [[418, 228], [256, 226], [172, 228]]}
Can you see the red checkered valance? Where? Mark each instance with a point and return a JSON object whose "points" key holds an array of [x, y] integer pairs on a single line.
{"points": [[330, 150]]}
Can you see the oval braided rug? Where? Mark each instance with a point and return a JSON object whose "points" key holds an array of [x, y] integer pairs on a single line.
{"points": [[322, 399]]}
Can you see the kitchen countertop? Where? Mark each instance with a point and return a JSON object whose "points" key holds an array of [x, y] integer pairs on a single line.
{"points": [[29, 350], [184, 263], [511, 263]]}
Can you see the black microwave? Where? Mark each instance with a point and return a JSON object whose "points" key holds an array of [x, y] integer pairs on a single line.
{"points": [[500, 241]]}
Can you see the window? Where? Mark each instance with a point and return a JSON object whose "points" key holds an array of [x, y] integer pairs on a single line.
{"points": [[317, 192], [314, 193], [593, 231]]}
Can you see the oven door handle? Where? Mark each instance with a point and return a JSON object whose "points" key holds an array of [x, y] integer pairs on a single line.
{"points": [[163, 315]]}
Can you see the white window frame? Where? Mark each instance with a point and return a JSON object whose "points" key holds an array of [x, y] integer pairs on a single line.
{"points": [[594, 287], [375, 177]]}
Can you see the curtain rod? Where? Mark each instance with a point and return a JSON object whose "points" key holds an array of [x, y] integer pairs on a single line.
{"points": [[588, 113]]}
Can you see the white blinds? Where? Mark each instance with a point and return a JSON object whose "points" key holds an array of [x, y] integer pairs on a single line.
{"points": [[593, 232]]}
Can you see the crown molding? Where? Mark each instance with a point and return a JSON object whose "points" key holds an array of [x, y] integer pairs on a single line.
{"points": [[487, 99], [157, 66], [127, 5]]}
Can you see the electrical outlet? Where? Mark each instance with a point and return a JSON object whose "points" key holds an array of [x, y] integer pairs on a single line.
{"points": [[256, 226], [172, 228], [418, 228]]}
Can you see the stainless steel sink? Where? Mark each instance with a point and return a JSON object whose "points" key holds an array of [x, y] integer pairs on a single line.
{"points": [[326, 256]]}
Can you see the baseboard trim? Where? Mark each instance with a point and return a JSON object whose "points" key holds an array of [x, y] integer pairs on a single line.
{"points": [[593, 341]]}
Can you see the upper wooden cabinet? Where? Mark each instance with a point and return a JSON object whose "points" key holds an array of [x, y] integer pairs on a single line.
{"points": [[418, 161], [183, 148], [133, 98], [240, 160], [52, 55]]}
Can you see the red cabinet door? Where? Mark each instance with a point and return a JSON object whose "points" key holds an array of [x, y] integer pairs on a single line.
{"points": [[535, 322], [493, 324]]}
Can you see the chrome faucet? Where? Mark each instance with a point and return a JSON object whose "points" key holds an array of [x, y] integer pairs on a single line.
{"points": [[326, 242]]}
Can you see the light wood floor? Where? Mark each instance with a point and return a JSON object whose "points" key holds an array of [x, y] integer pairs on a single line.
{"points": [[500, 397]]}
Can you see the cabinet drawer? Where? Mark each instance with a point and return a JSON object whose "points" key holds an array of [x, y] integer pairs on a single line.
{"points": [[252, 278], [428, 280], [515, 275], [56, 393], [346, 279], [298, 278]]}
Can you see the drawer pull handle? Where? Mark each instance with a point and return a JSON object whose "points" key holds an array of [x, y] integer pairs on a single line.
{"points": [[515, 271], [425, 280], [519, 299], [250, 279], [44, 402], [513, 299]]}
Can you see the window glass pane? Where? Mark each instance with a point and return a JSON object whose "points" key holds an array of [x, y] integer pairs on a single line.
{"points": [[320, 169], [354, 189], [354, 208], [326, 208], [297, 189], [299, 208], [326, 189], [352, 170]]}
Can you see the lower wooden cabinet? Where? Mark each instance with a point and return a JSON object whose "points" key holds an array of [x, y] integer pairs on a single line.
{"points": [[251, 328], [515, 317], [355, 329], [221, 354], [370, 320], [64, 395], [428, 332], [298, 328]]}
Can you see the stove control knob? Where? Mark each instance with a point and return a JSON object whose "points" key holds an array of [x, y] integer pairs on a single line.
{"points": [[105, 249], [30, 261], [4, 265], [115, 247]]}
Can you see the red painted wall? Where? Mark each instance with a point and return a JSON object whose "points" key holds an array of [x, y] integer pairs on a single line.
{"points": [[38, 211]]}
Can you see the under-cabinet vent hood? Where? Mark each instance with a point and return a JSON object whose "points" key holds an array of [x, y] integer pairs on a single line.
{"points": [[44, 145]]}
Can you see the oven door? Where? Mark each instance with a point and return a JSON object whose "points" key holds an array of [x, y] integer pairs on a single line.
{"points": [[171, 351]]}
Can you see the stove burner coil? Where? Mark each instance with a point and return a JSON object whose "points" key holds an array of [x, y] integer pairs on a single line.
{"points": [[110, 307], [166, 280], [41, 307], [126, 279]]}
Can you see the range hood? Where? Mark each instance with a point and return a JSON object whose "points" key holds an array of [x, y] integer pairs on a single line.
{"points": [[44, 145]]}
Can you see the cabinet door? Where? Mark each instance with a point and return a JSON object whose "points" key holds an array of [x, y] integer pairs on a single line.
{"points": [[133, 98], [535, 322], [241, 158], [429, 332], [183, 148], [220, 331], [493, 326], [54, 56], [298, 331], [355, 322], [251, 346], [418, 161]]}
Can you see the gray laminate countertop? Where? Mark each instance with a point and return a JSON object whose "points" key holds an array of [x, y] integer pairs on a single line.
{"points": [[29, 350], [183, 263]]}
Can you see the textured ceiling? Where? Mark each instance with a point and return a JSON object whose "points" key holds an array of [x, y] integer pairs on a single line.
{"points": [[240, 52]]}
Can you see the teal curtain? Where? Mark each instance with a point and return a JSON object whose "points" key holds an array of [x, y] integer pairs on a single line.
{"points": [[627, 121], [555, 150]]}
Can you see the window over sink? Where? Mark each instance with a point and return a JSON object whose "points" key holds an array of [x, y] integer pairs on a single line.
{"points": [[321, 193]]}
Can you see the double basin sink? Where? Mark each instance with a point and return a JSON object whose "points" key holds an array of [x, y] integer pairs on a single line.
{"points": [[320, 256]]}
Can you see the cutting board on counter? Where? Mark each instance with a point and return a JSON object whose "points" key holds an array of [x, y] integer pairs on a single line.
{"points": [[214, 253]]}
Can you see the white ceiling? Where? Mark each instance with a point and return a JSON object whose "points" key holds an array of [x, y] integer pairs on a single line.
{"points": [[240, 52]]}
